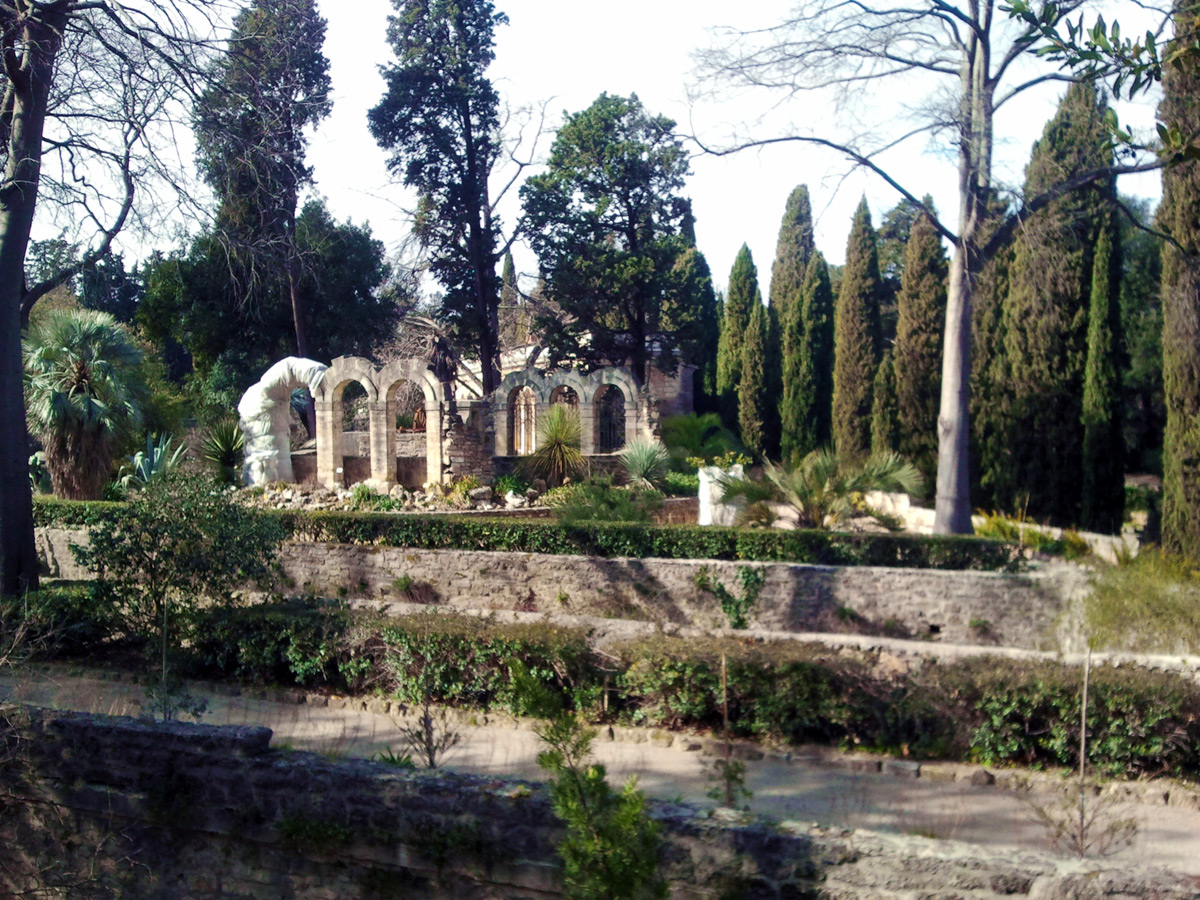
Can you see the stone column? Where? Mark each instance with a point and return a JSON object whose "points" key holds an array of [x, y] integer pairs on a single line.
{"points": [[587, 426], [433, 442], [382, 443], [329, 443]]}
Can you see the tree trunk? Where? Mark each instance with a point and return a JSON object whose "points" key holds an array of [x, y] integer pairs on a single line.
{"points": [[292, 265], [30, 87]]}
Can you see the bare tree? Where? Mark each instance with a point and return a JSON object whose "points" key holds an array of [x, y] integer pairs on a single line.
{"points": [[970, 59], [92, 91]]}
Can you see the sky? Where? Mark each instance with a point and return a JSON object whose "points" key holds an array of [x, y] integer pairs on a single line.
{"points": [[563, 55]]}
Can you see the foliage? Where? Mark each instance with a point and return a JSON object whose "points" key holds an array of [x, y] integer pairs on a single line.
{"points": [[158, 460], [793, 249], [439, 119], [1144, 413], [510, 483], [696, 437], [695, 314], [558, 455], [1068, 545], [806, 326], [921, 314], [645, 463], [824, 490], [39, 475], [223, 445], [856, 340], [84, 392], [606, 220], [1150, 604], [885, 424], [735, 608], [1178, 216], [752, 405], [681, 484], [610, 849], [598, 500], [740, 299]]}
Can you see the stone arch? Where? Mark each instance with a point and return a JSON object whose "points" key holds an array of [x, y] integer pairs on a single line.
{"points": [[264, 417], [610, 418], [503, 399], [390, 378], [330, 460], [520, 413]]}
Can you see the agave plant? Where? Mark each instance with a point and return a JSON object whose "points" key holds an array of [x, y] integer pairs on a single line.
{"points": [[824, 491], [85, 392], [223, 447], [158, 460], [558, 455], [645, 463]]}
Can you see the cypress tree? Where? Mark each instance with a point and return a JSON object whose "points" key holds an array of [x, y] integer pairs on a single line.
{"points": [[1179, 216], [1045, 318], [693, 311], [739, 299], [856, 341], [1103, 503], [920, 324], [885, 424], [752, 387], [793, 249], [807, 406]]}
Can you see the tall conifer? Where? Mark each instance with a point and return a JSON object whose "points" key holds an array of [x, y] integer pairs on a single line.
{"points": [[793, 249], [694, 311], [743, 288], [885, 425], [1045, 318], [807, 406], [920, 324], [1103, 503], [856, 340], [1179, 216], [752, 386]]}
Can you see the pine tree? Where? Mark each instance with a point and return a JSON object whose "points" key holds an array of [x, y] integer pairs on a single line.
{"points": [[1179, 215], [856, 341], [739, 299], [885, 424], [1103, 503], [752, 398], [1045, 317], [793, 249], [807, 405], [696, 302], [920, 324]]}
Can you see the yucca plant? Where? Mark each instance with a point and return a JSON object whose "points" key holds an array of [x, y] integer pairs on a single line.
{"points": [[646, 463], [158, 460], [223, 446], [824, 491], [558, 455], [85, 392]]}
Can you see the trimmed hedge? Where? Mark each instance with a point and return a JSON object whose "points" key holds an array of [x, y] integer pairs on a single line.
{"points": [[990, 710], [606, 539]]}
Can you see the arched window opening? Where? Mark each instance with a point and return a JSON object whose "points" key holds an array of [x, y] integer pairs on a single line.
{"points": [[610, 419], [522, 420], [566, 396], [409, 408]]}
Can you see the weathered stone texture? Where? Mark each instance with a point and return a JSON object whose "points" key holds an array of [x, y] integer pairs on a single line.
{"points": [[210, 813]]}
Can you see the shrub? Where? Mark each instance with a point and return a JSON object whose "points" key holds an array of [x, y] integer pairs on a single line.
{"points": [[558, 455], [1150, 604], [506, 483], [645, 464], [681, 484], [158, 460], [600, 501]]}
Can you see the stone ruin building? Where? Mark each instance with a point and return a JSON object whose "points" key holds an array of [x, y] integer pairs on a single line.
{"points": [[398, 424]]}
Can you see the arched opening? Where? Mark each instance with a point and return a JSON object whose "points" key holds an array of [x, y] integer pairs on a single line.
{"points": [[522, 421], [565, 395], [406, 415], [610, 419], [355, 428]]}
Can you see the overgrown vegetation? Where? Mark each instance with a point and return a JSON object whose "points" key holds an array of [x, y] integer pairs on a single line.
{"points": [[1149, 604]]}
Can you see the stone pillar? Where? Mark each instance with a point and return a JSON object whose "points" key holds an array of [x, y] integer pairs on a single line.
{"points": [[433, 442], [587, 426], [329, 443], [382, 443]]}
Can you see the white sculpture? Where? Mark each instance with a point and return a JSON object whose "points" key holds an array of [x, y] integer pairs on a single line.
{"points": [[265, 418], [713, 508]]}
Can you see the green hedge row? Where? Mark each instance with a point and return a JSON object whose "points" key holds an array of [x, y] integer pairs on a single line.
{"points": [[611, 539], [989, 710]]}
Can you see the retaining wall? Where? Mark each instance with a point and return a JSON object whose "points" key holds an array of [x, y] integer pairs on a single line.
{"points": [[173, 811]]}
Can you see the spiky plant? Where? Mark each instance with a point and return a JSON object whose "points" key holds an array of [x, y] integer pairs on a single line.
{"points": [[158, 460], [558, 455], [646, 463], [823, 490], [85, 391], [223, 446]]}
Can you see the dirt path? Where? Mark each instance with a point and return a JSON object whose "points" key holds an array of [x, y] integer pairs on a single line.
{"points": [[803, 788]]}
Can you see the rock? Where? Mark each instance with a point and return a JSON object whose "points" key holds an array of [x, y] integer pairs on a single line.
{"points": [[480, 494], [514, 501], [983, 778], [539, 485], [397, 492], [532, 494]]}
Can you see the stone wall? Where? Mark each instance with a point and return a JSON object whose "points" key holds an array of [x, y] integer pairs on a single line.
{"points": [[208, 813]]}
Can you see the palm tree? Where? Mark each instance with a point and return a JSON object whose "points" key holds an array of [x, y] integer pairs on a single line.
{"points": [[697, 437], [822, 490], [84, 392]]}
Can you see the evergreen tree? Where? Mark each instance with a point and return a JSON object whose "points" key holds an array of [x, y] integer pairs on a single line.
{"points": [[1045, 317], [793, 249], [807, 405], [892, 238], [752, 398], [1179, 216], [739, 299], [920, 324], [696, 302], [885, 424], [856, 341], [1103, 503], [1144, 413]]}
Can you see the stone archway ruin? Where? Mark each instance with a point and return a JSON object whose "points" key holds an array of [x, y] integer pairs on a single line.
{"points": [[264, 415]]}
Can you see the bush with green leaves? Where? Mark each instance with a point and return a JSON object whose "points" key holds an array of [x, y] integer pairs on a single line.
{"points": [[510, 483], [681, 484], [599, 500], [694, 438]]}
